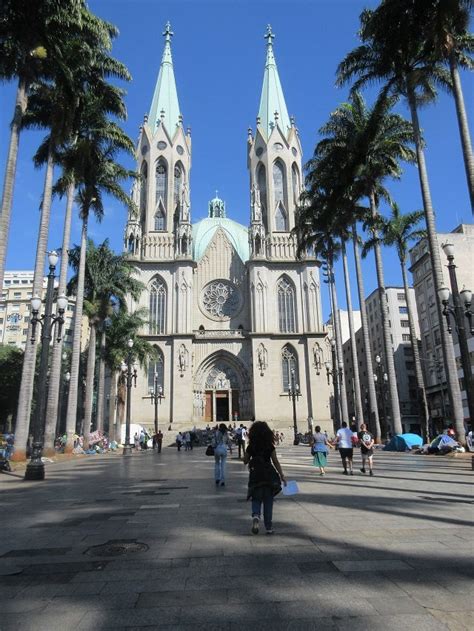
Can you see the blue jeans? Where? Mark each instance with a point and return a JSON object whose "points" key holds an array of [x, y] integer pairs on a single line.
{"points": [[267, 501], [219, 468]]}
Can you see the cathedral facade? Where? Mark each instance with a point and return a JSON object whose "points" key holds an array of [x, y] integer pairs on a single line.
{"points": [[235, 316]]}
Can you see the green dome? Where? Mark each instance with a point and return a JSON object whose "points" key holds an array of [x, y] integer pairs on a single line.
{"points": [[204, 230]]}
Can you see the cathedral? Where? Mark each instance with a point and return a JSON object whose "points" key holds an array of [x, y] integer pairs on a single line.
{"points": [[235, 316]]}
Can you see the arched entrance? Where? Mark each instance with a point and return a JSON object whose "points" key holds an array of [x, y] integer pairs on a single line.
{"points": [[222, 389]]}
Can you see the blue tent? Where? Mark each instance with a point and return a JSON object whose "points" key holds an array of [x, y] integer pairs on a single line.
{"points": [[404, 442]]}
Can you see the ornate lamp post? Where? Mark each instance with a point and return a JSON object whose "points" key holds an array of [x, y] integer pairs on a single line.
{"points": [[334, 372], [294, 394], [381, 378], [156, 394], [459, 313], [130, 376], [35, 468]]}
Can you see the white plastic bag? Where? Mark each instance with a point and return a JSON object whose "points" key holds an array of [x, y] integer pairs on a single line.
{"points": [[291, 488]]}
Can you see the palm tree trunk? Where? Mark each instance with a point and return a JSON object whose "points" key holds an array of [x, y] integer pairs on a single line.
{"points": [[29, 359], [463, 126], [52, 410], [389, 362], [451, 372], [375, 424], [76, 344], [357, 394], [420, 384], [10, 172], [101, 381], [339, 354], [90, 376], [121, 396], [113, 406]]}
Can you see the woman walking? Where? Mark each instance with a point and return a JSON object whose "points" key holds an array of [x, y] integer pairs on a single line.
{"points": [[319, 449], [221, 440], [265, 476]]}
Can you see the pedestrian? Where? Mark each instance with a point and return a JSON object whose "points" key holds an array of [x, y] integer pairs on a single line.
{"points": [[319, 449], [265, 475], [187, 442], [366, 448], [159, 440], [179, 440], [346, 450], [240, 441], [136, 442], [221, 440]]}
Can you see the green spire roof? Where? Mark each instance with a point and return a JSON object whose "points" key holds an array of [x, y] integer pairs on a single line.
{"points": [[165, 106], [272, 99]]}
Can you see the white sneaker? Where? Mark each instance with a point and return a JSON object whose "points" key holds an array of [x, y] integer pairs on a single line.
{"points": [[255, 525]]}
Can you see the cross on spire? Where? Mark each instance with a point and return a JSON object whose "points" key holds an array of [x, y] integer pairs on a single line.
{"points": [[269, 36], [168, 33]]}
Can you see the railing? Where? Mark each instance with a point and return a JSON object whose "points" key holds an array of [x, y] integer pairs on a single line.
{"points": [[206, 333]]}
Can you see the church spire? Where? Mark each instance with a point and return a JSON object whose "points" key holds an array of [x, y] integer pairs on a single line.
{"points": [[272, 110], [164, 106]]}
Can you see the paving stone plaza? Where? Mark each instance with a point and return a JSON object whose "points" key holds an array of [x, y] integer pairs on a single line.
{"points": [[358, 553]]}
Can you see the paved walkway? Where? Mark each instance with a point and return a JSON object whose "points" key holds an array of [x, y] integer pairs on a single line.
{"points": [[360, 553]]}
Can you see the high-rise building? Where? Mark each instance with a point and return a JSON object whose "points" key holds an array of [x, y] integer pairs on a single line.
{"points": [[236, 318], [403, 358], [462, 238]]}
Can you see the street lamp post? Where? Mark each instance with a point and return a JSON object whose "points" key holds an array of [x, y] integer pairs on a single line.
{"points": [[294, 394], [459, 314], [332, 372], [35, 468], [381, 378], [156, 394], [130, 375]]}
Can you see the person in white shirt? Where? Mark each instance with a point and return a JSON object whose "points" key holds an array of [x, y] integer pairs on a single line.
{"points": [[346, 449]]}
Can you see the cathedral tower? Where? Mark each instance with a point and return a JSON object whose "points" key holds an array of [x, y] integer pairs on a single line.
{"points": [[274, 162], [160, 228]]}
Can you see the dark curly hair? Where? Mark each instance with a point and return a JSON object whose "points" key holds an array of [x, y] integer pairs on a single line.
{"points": [[261, 437]]}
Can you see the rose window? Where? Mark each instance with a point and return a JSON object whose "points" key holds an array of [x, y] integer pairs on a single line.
{"points": [[221, 299]]}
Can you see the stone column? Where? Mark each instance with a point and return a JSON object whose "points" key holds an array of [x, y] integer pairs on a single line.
{"points": [[214, 406]]}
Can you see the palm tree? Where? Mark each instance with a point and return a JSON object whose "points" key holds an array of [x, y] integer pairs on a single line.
{"points": [[314, 231], [366, 145], [108, 280], [445, 33], [400, 230], [32, 45], [92, 165], [124, 325], [55, 105], [392, 53]]}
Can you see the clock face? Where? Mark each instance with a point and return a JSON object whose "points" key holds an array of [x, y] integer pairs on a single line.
{"points": [[221, 300]]}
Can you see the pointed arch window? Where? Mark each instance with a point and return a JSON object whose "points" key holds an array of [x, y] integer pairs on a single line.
{"points": [[158, 296], [262, 187], [143, 188], [161, 183], [178, 183], [286, 306], [279, 182], [281, 223], [295, 181], [158, 367], [160, 218], [289, 367]]}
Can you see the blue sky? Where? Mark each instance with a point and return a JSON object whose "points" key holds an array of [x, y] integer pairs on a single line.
{"points": [[219, 54]]}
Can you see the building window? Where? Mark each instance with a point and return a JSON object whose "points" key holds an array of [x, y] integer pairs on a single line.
{"points": [[410, 365], [143, 188], [288, 363], [160, 219], [262, 187], [160, 183], [279, 196], [407, 351], [17, 294], [401, 297], [280, 219], [157, 307], [295, 180], [404, 324], [157, 367], [402, 309], [406, 337], [178, 183], [286, 306]]}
